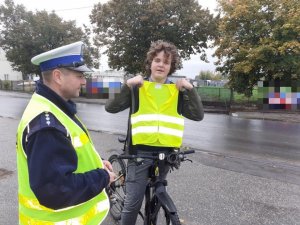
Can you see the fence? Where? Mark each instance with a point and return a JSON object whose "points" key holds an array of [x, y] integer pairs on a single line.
{"points": [[215, 94], [20, 85], [103, 88], [225, 96]]}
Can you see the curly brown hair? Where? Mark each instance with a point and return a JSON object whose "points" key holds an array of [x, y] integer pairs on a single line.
{"points": [[169, 49]]}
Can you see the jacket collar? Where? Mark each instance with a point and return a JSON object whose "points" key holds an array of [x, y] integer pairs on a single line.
{"points": [[166, 82]]}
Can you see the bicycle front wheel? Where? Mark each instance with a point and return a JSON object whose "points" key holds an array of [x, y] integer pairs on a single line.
{"points": [[163, 218], [160, 216], [116, 191]]}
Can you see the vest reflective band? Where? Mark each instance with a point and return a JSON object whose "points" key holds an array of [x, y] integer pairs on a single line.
{"points": [[97, 210], [157, 122], [31, 212]]}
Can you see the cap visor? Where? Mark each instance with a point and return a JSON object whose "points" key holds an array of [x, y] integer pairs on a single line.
{"points": [[82, 68]]}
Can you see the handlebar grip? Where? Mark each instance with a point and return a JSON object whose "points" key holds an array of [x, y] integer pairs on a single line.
{"points": [[127, 156], [188, 152], [137, 156]]}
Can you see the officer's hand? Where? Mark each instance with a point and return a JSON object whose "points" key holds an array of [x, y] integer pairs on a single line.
{"points": [[109, 169], [183, 83], [108, 165], [135, 81], [112, 176]]}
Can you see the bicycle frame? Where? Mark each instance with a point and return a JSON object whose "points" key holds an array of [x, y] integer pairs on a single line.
{"points": [[156, 196]]}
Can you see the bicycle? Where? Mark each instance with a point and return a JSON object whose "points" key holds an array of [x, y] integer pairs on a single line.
{"points": [[159, 207]]}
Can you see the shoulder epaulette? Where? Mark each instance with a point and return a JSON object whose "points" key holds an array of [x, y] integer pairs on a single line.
{"points": [[43, 121]]}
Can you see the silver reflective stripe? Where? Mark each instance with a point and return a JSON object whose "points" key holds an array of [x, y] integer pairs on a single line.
{"points": [[83, 219], [71, 221], [170, 131], [77, 142], [103, 205], [157, 117], [100, 207], [155, 129], [172, 119], [145, 129]]}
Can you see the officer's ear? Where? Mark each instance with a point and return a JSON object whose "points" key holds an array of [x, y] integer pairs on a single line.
{"points": [[57, 76]]}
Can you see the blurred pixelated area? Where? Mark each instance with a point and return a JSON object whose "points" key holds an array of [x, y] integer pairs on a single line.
{"points": [[278, 95], [103, 87]]}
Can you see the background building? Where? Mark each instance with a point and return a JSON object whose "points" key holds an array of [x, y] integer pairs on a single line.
{"points": [[6, 71]]}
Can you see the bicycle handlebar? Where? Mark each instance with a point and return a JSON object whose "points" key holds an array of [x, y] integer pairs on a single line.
{"points": [[188, 152], [137, 156], [172, 157]]}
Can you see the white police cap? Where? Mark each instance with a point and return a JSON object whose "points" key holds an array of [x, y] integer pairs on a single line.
{"points": [[68, 56]]}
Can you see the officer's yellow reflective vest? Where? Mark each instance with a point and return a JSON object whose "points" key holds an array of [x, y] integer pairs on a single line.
{"points": [[31, 212], [157, 122]]}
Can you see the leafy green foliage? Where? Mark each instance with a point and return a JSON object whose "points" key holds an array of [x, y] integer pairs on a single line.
{"points": [[25, 34], [208, 75], [127, 29], [258, 40]]}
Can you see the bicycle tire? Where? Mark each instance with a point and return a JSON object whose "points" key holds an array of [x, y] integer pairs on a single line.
{"points": [[174, 219], [162, 216], [165, 218], [116, 191]]}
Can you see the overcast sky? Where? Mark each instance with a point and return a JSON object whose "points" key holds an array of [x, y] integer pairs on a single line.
{"points": [[79, 10]]}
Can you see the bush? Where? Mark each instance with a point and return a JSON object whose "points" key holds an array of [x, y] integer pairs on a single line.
{"points": [[6, 85]]}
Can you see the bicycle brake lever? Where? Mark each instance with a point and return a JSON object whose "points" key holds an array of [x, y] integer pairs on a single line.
{"points": [[117, 178]]}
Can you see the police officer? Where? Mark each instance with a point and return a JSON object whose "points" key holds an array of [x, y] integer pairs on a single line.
{"points": [[61, 177]]}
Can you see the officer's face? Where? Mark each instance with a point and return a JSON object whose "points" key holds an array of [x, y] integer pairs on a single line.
{"points": [[160, 67], [71, 83]]}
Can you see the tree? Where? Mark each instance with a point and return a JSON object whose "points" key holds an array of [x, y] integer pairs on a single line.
{"points": [[208, 75], [25, 34], [258, 40], [127, 29], [205, 75]]}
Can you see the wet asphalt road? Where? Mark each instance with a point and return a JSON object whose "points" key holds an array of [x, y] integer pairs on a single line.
{"points": [[258, 147], [217, 189], [204, 195]]}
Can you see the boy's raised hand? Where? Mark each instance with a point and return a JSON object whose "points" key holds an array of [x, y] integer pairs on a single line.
{"points": [[135, 81]]}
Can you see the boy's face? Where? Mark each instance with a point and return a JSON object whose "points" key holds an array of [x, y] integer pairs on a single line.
{"points": [[160, 67]]}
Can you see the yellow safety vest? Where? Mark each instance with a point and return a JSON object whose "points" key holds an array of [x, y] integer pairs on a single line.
{"points": [[157, 122], [31, 212]]}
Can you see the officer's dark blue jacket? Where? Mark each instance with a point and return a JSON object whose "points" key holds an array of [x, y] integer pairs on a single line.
{"points": [[52, 159]]}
